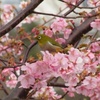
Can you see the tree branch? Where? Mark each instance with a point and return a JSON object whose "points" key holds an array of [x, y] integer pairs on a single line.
{"points": [[80, 30], [24, 13], [73, 8]]}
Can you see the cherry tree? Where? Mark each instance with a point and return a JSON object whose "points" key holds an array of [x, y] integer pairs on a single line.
{"points": [[33, 73]]}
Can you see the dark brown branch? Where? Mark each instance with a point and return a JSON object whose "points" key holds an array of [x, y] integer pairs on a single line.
{"points": [[80, 30], [24, 13]]}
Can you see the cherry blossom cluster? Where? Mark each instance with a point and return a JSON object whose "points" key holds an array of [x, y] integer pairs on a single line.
{"points": [[72, 68], [29, 19], [47, 93], [59, 26], [7, 14], [11, 80], [96, 24], [95, 46]]}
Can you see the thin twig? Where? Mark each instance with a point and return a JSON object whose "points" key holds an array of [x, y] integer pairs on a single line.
{"points": [[53, 17], [30, 94], [73, 8], [66, 17]]}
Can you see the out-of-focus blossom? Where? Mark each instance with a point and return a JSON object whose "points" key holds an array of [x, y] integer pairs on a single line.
{"points": [[93, 2], [48, 32], [46, 93], [95, 46], [26, 80], [72, 1], [58, 25], [23, 4], [67, 32], [7, 71], [7, 14], [6, 17], [96, 24], [61, 40], [8, 8], [12, 81]]}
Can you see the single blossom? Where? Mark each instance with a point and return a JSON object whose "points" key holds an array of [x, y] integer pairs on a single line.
{"points": [[67, 33], [26, 80], [96, 24], [61, 40], [23, 4], [48, 32], [8, 8], [95, 47], [58, 25]]}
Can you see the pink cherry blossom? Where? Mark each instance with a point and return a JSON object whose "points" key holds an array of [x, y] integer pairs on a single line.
{"points": [[26, 80], [77, 70], [7, 71], [59, 24], [60, 40], [90, 87], [95, 47], [71, 94], [48, 32], [6, 17], [7, 14], [11, 83], [96, 24], [67, 32], [66, 66], [82, 90], [73, 54], [23, 4], [72, 81], [35, 31], [90, 82], [93, 2], [29, 19], [27, 68]]}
